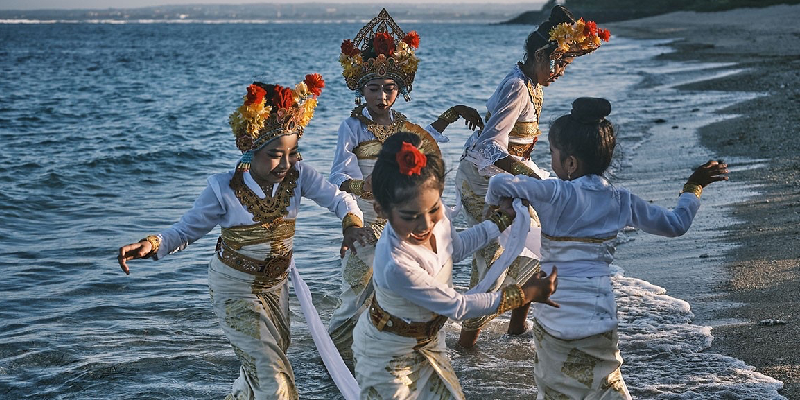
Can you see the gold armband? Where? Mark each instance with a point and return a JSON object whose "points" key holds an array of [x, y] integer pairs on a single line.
{"points": [[502, 220], [450, 116], [518, 168], [155, 243], [690, 187], [356, 187], [351, 220], [513, 297]]}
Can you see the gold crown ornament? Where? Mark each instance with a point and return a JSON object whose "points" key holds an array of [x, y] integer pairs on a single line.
{"points": [[270, 111], [574, 40], [380, 50]]}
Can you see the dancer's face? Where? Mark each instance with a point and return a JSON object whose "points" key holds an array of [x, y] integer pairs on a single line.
{"points": [[539, 69], [380, 95], [414, 220], [272, 162]]}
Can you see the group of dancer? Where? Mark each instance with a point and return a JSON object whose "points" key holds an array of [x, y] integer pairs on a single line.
{"points": [[399, 242]]}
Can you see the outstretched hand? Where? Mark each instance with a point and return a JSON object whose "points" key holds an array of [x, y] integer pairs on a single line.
{"points": [[540, 287], [712, 171], [131, 252], [472, 118], [353, 235]]}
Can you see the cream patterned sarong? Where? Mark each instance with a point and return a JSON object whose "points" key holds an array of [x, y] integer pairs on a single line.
{"points": [[253, 312], [585, 368], [389, 366], [472, 187]]}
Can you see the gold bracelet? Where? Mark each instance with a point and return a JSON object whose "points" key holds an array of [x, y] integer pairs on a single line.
{"points": [[351, 220], [450, 116], [155, 243], [356, 186], [500, 219], [518, 168], [695, 188], [513, 297]]}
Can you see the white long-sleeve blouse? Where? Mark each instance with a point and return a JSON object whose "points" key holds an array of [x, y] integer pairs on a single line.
{"points": [[217, 204], [408, 271], [351, 133]]}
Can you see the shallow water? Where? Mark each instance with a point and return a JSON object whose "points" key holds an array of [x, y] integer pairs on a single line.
{"points": [[109, 132]]}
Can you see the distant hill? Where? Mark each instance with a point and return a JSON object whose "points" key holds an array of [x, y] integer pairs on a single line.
{"points": [[269, 12], [619, 10]]}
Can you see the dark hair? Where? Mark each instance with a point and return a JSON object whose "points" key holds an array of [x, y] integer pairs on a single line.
{"points": [[586, 134], [389, 186], [541, 36]]}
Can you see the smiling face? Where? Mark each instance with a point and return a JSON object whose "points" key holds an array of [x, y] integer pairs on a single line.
{"points": [[380, 95], [272, 162], [413, 220]]}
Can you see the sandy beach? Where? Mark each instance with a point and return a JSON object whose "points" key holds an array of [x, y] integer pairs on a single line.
{"points": [[765, 264]]}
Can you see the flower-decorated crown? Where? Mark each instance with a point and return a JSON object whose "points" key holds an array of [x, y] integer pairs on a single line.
{"points": [[270, 111], [380, 50], [573, 40]]}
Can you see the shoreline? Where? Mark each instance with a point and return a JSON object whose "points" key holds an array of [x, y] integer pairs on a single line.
{"points": [[764, 265]]}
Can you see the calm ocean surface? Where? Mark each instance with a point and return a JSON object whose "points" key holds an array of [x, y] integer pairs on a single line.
{"points": [[109, 132]]}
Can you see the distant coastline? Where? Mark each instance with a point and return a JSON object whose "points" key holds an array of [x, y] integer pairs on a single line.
{"points": [[275, 13], [622, 10]]}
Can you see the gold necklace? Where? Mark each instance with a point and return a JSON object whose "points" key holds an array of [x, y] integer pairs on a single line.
{"points": [[537, 98], [270, 209], [381, 132]]}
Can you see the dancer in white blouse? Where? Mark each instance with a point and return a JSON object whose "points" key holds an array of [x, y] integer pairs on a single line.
{"points": [[379, 64], [577, 354], [398, 345], [506, 143], [256, 206]]}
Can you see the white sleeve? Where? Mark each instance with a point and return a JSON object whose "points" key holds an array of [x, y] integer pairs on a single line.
{"points": [[521, 187], [207, 213], [472, 239], [660, 221], [313, 186], [416, 286], [492, 144], [438, 136], [345, 163]]}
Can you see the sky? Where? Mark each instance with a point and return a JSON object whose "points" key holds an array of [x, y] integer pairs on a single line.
{"points": [[100, 4]]}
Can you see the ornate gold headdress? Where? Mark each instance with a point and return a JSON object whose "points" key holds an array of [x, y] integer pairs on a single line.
{"points": [[573, 40], [380, 50], [270, 111]]}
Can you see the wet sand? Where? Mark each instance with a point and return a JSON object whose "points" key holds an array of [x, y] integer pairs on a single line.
{"points": [[765, 265]]}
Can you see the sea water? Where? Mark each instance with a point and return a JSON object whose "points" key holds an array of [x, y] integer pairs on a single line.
{"points": [[108, 132]]}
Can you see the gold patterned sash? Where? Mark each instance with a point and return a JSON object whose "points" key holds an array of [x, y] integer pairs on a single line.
{"points": [[577, 239], [273, 269], [385, 322]]}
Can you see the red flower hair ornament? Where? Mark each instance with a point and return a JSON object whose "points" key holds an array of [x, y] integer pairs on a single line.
{"points": [[410, 159]]}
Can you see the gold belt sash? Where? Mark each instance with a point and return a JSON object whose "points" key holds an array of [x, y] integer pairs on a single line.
{"points": [[577, 239], [383, 321], [275, 268], [522, 150]]}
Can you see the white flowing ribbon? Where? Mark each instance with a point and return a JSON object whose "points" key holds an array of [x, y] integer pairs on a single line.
{"points": [[514, 246], [342, 377]]}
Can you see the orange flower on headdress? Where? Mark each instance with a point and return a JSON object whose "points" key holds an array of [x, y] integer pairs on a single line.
{"points": [[255, 95], [283, 97], [315, 83], [412, 39], [410, 159], [590, 28], [349, 49], [383, 43], [604, 34]]}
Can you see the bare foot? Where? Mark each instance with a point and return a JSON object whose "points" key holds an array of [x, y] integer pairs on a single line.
{"points": [[468, 339], [516, 329]]}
